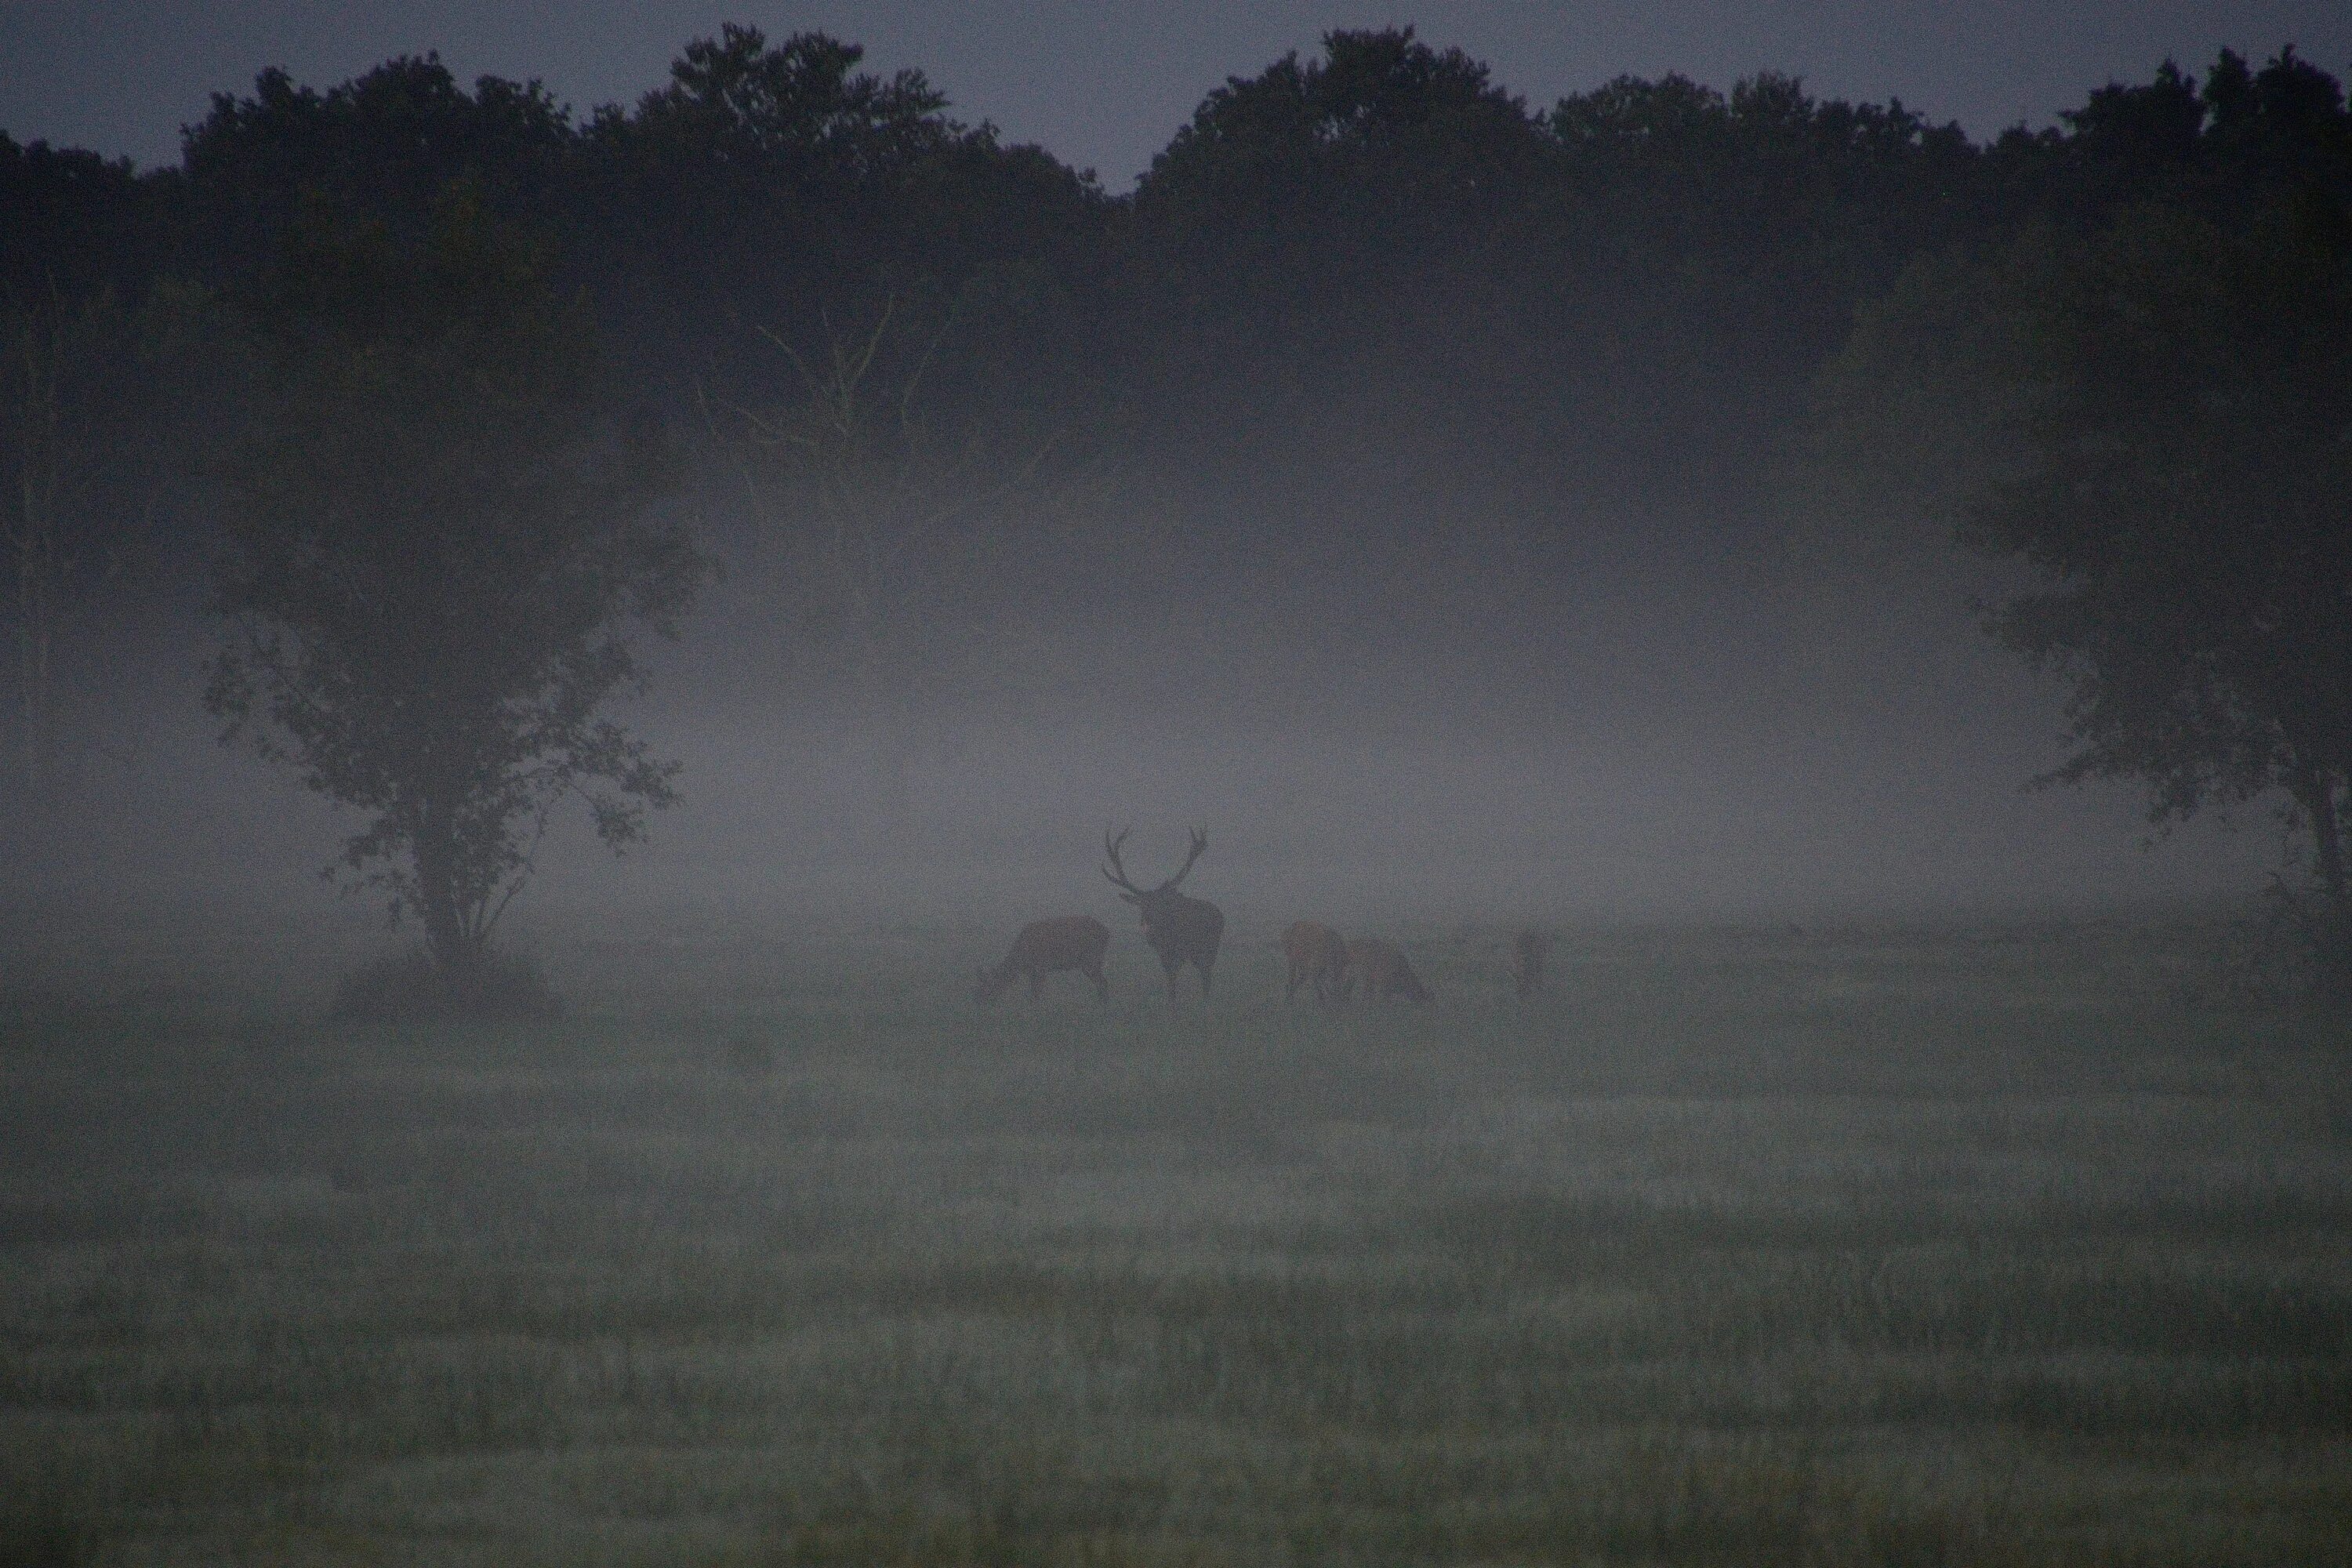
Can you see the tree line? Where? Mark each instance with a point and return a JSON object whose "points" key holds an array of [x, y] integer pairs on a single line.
{"points": [[400, 333]]}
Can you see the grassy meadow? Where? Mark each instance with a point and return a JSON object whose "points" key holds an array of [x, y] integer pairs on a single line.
{"points": [[1948, 1246]]}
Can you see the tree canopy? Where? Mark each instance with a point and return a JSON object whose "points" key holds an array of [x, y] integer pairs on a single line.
{"points": [[439, 555], [1639, 278], [2153, 412], [2182, 396]]}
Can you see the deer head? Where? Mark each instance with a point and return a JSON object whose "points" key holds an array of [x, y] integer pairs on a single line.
{"points": [[1150, 900]]}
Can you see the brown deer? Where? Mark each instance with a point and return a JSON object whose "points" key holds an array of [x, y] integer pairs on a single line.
{"points": [[1065, 942], [1318, 958], [1182, 931], [1384, 972], [1528, 952]]}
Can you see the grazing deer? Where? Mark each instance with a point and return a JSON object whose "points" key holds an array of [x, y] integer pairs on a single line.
{"points": [[1318, 958], [1066, 942], [1182, 931], [1384, 970], [1528, 962]]}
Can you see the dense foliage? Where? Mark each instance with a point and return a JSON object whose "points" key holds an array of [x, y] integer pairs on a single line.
{"points": [[2153, 411], [1385, 212], [1628, 290], [2188, 392]]}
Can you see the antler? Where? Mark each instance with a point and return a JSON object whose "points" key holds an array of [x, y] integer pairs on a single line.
{"points": [[1199, 844], [1115, 872]]}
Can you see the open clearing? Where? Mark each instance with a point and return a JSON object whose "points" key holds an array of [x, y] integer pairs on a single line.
{"points": [[1950, 1246]]}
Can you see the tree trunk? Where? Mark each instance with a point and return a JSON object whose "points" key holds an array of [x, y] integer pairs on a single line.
{"points": [[32, 522], [2331, 935], [457, 951], [2319, 803], [29, 671], [39, 570]]}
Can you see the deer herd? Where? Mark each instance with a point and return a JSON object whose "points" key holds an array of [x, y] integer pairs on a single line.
{"points": [[1183, 930]]}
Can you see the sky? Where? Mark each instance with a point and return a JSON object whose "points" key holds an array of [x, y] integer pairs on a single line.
{"points": [[1103, 84]]}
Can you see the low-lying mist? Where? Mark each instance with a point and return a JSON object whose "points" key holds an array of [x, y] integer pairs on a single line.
{"points": [[1493, 713]]}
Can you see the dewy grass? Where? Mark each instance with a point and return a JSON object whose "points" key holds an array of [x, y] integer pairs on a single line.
{"points": [[1930, 1248]]}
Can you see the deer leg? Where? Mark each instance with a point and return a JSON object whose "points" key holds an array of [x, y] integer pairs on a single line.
{"points": [[1102, 987], [1037, 984], [1171, 965], [1204, 965]]}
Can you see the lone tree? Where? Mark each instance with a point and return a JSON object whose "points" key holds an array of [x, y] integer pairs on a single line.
{"points": [[441, 556], [2160, 413]]}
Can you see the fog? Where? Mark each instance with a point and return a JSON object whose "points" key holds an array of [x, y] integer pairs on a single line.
{"points": [[1510, 715], [1413, 489]]}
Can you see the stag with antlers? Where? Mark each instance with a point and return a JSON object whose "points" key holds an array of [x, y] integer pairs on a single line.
{"points": [[1182, 931]]}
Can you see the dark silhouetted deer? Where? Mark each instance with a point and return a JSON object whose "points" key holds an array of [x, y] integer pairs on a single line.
{"points": [[1383, 971], [1065, 942], [1528, 962], [1182, 931], [1318, 958]]}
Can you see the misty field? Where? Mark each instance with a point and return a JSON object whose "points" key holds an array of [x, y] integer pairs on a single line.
{"points": [[1933, 1245]]}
